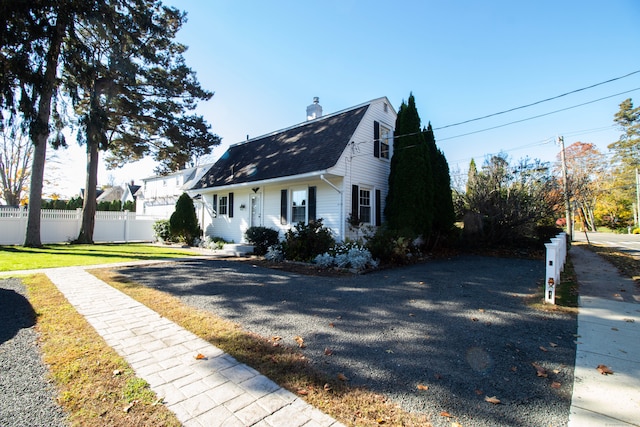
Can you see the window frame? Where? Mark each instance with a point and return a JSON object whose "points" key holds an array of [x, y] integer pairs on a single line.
{"points": [[361, 205], [305, 205], [385, 136], [223, 205]]}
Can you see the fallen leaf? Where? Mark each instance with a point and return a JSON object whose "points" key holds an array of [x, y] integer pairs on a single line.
{"points": [[300, 342], [159, 401], [492, 399], [328, 351], [479, 392], [445, 414], [276, 338], [514, 369], [422, 387], [552, 344], [302, 392], [200, 356], [389, 351], [327, 387], [474, 319], [332, 325], [615, 329], [420, 283], [342, 377], [129, 406], [412, 315], [380, 421], [540, 371], [543, 349], [556, 384], [629, 320], [455, 424], [117, 372], [481, 310], [604, 370]]}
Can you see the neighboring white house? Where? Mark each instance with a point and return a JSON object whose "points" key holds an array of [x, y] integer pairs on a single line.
{"points": [[330, 167], [157, 196]]}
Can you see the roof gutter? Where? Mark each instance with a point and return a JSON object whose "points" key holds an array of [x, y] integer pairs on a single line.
{"points": [[261, 183]]}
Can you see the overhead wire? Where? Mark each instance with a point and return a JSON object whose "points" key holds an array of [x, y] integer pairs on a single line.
{"points": [[538, 102]]}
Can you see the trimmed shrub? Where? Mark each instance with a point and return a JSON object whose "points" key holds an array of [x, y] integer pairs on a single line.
{"points": [[305, 241], [261, 238], [389, 247], [184, 221]]}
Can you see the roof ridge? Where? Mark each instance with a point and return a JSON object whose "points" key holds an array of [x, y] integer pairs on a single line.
{"points": [[304, 123]]}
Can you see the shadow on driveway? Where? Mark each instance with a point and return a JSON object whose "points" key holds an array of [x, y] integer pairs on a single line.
{"points": [[459, 326]]}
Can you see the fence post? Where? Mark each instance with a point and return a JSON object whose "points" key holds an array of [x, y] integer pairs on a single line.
{"points": [[552, 276], [126, 226]]}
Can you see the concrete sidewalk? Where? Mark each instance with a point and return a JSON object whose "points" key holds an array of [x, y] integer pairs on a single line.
{"points": [[609, 335], [214, 391]]}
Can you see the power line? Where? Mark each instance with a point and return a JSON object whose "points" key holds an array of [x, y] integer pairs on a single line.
{"points": [[537, 102], [538, 116]]}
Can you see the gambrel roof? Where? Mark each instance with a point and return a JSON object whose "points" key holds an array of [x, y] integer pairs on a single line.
{"points": [[308, 147]]}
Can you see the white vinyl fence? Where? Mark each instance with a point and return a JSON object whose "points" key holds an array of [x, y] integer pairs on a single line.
{"points": [[60, 226]]}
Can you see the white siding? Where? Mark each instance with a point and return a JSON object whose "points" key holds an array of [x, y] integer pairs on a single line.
{"points": [[359, 165]]}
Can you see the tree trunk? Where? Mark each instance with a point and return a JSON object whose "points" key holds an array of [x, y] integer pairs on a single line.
{"points": [[89, 204], [40, 134]]}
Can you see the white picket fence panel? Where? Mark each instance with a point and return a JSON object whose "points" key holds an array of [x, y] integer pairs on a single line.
{"points": [[60, 226]]}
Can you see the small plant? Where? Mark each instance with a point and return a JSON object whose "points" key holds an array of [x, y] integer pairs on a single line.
{"points": [[305, 241], [274, 254], [213, 243], [347, 255], [162, 230], [389, 247], [261, 238]]}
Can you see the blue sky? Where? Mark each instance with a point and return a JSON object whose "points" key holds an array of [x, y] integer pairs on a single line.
{"points": [[266, 60]]}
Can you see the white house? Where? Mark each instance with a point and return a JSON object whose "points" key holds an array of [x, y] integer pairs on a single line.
{"points": [[330, 167], [157, 196]]}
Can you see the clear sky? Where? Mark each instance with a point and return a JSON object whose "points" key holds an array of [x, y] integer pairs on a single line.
{"points": [[266, 60]]}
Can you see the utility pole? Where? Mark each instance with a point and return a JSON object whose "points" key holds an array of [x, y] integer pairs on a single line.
{"points": [[567, 201], [637, 212]]}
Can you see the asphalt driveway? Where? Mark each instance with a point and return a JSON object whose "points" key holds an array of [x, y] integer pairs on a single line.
{"points": [[460, 326]]}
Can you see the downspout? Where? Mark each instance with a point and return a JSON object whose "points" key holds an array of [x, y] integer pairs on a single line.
{"points": [[342, 220]]}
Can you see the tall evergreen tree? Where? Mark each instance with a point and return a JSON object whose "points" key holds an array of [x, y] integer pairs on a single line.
{"points": [[443, 212], [409, 207], [132, 92]]}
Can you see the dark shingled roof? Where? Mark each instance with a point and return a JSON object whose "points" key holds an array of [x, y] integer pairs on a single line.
{"points": [[309, 147]]}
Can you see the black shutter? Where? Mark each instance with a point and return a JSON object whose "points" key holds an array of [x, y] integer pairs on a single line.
{"points": [[230, 205], [378, 208], [312, 204], [376, 139], [355, 201], [215, 205], [283, 207]]}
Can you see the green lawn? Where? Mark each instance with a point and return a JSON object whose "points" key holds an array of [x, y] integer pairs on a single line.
{"points": [[21, 258]]}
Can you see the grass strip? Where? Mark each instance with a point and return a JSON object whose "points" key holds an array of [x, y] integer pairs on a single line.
{"points": [[48, 256], [290, 369], [96, 386]]}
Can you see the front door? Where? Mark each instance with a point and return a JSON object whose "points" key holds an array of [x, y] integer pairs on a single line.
{"points": [[256, 215]]}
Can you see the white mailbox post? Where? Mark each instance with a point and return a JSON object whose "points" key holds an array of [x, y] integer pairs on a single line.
{"points": [[552, 275]]}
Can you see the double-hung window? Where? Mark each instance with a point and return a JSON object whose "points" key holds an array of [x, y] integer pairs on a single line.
{"points": [[385, 136], [299, 206], [364, 212], [222, 205]]}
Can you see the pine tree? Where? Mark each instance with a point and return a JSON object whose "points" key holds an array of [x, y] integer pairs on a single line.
{"points": [[409, 207], [443, 212]]}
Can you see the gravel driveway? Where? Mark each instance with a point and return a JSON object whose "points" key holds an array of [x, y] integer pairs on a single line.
{"points": [[27, 398], [459, 326]]}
